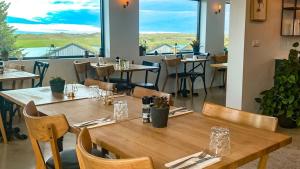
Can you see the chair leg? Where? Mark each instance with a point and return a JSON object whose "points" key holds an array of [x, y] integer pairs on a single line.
{"points": [[263, 162], [165, 83], [177, 85], [213, 78], [204, 83]]}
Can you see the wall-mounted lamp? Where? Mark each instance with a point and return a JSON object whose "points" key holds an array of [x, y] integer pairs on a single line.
{"points": [[218, 8], [126, 4]]}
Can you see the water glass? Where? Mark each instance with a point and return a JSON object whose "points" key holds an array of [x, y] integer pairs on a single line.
{"points": [[219, 141], [120, 110], [126, 65], [94, 92]]}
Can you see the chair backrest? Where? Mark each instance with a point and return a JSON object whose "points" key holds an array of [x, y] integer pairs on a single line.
{"points": [[172, 63], [140, 92], [157, 71], [102, 85], [89, 161], [220, 59], [81, 70], [105, 71], [45, 129], [240, 117], [16, 66], [40, 68]]}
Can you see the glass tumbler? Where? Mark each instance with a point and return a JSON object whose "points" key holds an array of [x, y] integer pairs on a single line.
{"points": [[94, 92], [219, 141], [120, 110]]}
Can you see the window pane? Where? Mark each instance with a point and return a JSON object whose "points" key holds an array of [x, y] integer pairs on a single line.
{"points": [[166, 22], [54, 28]]}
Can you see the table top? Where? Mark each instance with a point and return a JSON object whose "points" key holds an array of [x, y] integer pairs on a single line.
{"points": [[42, 95], [192, 60], [13, 74], [78, 111], [219, 65], [185, 135], [132, 67]]}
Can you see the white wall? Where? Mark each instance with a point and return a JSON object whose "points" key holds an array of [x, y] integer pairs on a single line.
{"points": [[258, 63], [234, 90]]}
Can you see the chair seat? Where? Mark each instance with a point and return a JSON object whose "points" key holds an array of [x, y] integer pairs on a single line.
{"points": [[145, 84], [69, 159]]}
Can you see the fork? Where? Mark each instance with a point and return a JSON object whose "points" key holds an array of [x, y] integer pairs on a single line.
{"points": [[200, 156]]}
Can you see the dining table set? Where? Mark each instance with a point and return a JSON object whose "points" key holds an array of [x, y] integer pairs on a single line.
{"points": [[118, 126]]}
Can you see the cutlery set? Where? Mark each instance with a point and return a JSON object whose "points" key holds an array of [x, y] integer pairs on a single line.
{"points": [[180, 109], [92, 122], [187, 163]]}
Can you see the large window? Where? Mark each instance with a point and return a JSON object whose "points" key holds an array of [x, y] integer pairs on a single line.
{"points": [[168, 24], [56, 28]]}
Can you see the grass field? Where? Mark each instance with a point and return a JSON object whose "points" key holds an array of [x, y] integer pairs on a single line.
{"points": [[93, 40]]}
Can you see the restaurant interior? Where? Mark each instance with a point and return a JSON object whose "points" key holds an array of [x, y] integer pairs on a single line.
{"points": [[208, 104]]}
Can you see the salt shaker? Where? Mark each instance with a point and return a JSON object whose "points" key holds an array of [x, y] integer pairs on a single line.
{"points": [[146, 109]]}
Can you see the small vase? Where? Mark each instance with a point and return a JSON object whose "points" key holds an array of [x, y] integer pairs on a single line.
{"points": [[159, 117], [196, 50]]}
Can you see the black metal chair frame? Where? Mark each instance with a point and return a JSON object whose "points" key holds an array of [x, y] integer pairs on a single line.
{"points": [[156, 71], [40, 68]]}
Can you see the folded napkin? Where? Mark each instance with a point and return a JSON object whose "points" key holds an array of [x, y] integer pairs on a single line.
{"points": [[102, 124], [201, 165], [180, 113]]}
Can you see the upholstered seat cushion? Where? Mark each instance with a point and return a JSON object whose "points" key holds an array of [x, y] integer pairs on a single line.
{"points": [[69, 159]]}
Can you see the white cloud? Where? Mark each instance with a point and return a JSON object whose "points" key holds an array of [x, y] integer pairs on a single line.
{"points": [[56, 28], [31, 9]]}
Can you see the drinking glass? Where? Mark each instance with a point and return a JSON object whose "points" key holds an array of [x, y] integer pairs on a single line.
{"points": [[219, 141], [94, 92], [120, 110], [127, 65]]}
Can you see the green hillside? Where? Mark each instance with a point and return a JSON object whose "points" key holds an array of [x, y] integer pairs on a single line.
{"points": [[93, 40]]}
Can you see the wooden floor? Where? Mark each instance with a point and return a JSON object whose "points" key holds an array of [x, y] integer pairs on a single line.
{"points": [[19, 155]]}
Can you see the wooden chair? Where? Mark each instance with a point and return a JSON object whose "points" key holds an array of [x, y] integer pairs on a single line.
{"points": [[88, 161], [105, 72], [140, 92], [81, 69], [48, 129], [2, 130], [243, 118], [146, 84], [174, 64], [102, 85], [219, 59]]}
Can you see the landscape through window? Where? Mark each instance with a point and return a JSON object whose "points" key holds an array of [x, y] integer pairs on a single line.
{"points": [[55, 28], [165, 24]]}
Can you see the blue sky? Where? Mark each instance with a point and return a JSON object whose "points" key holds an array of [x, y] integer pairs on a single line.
{"points": [[82, 16]]}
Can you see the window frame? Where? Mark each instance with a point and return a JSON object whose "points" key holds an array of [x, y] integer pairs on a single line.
{"points": [[102, 41], [199, 6]]}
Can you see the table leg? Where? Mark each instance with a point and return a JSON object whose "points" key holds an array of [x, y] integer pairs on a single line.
{"points": [[263, 162], [184, 90]]}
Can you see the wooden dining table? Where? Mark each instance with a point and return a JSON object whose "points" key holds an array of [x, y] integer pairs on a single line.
{"points": [[128, 71], [186, 135], [10, 75], [40, 95]]}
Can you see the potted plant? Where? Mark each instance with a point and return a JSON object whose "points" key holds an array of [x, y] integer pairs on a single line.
{"points": [[160, 112], [57, 85], [143, 48], [283, 100], [196, 46]]}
